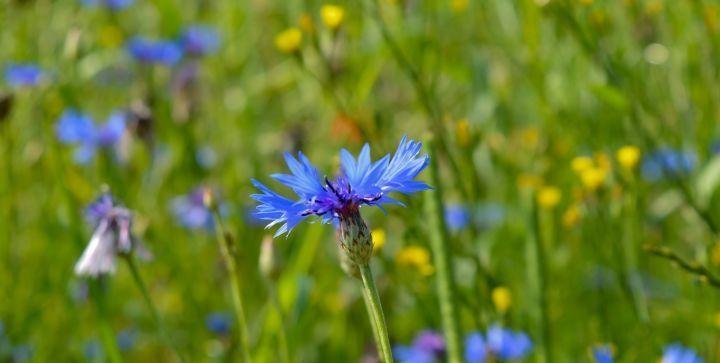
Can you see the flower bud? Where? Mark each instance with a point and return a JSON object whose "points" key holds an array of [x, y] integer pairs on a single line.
{"points": [[349, 267], [354, 236], [269, 266]]}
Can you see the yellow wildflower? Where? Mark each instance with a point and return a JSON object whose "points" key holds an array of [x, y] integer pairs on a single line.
{"points": [[501, 298], [581, 163], [462, 132], [289, 40], [628, 157], [332, 15], [305, 22], [459, 6], [416, 257], [603, 161], [548, 197], [529, 181], [378, 238], [571, 216], [593, 178], [111, 36]]}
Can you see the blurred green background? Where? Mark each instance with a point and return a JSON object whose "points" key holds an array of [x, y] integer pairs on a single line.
{"points": [[515, 91]]}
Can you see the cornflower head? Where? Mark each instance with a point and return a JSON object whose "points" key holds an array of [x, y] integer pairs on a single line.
{"points": [[667, 163], [163, 52], [360, 182], [218, 323], [457, 217], [113, 5], [23, 75], [126, 339], [112, 236], [199, 40], [76, 128], [677, 353], [428, 347], [499, 343], [190, 210], [603, 353]]}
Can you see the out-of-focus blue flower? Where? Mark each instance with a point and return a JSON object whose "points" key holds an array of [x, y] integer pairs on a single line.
{"points": [[148, 51], [190, 209], [667, 163], [428, 347], [92, 350], [206, 157], [361, 182], [114, 5], [218, 323], [126, 339], [199, 40], [112, 236], [488, 215], [19, 75], [500, 343], [78, 129], [22, 353], [603, 354], [457, 217], [677, 353], [475, 348]]}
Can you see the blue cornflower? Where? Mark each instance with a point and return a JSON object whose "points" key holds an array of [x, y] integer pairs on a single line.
{"points": [[667, 163], [428, 347], [190, 210], [457, 217], [19, 75], [126, 339], [361, 182], [112, 237], [498, 342], [148, 51], [677, 353], [198, 40], [76, 128], [603, 353], [218, 323], [114, 5]]}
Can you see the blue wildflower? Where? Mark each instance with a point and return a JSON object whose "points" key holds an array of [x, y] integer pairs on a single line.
{"points": [[218, 323], [677, 353], [112, 236], [603, 353], [667, 163], [457, 217], [361, 182], [190, 210], [148, 51], [428, 347], [22, 353], [77, 128], [500, 343], [113, 5], [126, 339], [198, 40], [19, 75]]}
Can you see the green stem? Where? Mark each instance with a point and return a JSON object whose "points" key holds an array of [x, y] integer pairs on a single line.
{"points": [[224, 242], [537, 280], [376, 312], [371, 316], [630, 258], [282, 336], [106, 333], [137, 278], [439, 243]]}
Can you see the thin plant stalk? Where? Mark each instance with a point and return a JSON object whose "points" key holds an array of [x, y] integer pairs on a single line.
{"points": [[371, 316], [281, 334], [537, 281], [107, 336], [630, 236], [376, 312], [440, 246], [224, 243], [137, 278]]}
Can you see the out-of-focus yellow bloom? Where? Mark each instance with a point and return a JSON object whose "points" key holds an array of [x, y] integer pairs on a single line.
{"points": [[459, 6], [462, 132], [416, 257], [715, 254], [530, 137], [289, 40], [529, 181], [593, 178], [501, 298], [628, 156], [548, 197], [110, 36], [332, 15], [378, 238], [306, 23], [571, 216], [653, 7], [603, 162], [581, 163]]}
